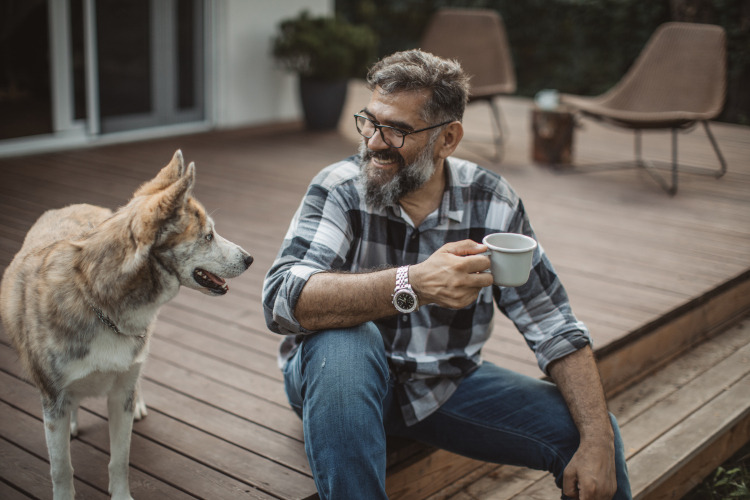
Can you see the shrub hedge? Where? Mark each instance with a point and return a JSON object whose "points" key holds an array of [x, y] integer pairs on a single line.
{"points": [[577, 46]]}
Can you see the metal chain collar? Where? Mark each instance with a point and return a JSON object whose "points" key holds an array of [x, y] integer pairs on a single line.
{"points": [[104, 319]]}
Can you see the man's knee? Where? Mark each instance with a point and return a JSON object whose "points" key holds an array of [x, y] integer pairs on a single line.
{"points": [[346, 359]]}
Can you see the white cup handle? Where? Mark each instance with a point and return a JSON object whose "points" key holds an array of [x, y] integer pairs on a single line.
{"points": [[487, 252]]}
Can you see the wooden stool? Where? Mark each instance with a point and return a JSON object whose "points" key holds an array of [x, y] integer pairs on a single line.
{"points": [[553, 136]]}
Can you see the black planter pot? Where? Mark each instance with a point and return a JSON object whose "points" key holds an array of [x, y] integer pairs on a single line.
{"points": [[322, 102]]}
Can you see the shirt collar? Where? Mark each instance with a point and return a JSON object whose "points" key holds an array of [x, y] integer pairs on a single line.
{"points": [[453, 197]]}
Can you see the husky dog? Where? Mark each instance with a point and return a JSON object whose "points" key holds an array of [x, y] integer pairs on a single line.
{"points": [[80, 299]]}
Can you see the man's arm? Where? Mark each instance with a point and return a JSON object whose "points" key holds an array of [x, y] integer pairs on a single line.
{"points": [[590, 475], [339, 300]]}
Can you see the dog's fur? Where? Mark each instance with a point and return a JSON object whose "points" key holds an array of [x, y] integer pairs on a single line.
{"points": [[82, 266]]}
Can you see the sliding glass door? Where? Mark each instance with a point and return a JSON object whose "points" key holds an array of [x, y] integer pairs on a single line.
{"points": [[150, 60], [77, 68], [25, 93]]}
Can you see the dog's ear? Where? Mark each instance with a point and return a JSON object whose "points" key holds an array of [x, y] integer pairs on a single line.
{"points": [[168, 175], [162, 206]]}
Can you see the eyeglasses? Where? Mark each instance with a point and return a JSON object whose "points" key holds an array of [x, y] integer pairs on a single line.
{"points": [[392, 136]]}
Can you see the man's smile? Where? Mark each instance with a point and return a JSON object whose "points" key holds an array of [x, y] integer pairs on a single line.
{"points": [[384, 163], [385, 159]]}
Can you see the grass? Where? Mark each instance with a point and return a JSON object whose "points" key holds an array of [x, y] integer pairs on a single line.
{"points": [[731, 481]]}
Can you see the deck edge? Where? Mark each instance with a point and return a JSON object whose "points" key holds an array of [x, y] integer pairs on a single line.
{"points": [[648, 348]]}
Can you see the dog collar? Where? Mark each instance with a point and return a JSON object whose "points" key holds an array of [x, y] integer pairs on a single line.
{"points": [[111, 324]]}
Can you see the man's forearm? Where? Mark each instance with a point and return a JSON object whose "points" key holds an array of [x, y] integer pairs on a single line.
{"points": [[578, 379], [591, 473], [339, 300], [450, 277]]}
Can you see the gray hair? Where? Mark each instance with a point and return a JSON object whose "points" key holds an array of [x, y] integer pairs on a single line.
{"points": [[414, 70]]}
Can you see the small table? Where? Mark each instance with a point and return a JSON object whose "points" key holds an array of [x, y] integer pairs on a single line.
{"points": [[553, 135]]}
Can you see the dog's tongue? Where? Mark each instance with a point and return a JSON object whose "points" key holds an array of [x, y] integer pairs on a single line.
{"points": [[214, 278]]}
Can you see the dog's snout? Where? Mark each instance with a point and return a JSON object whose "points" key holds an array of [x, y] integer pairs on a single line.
{"points": [[248, 260]]}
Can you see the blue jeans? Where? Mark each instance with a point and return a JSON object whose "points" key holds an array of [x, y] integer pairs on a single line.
{"points": [[338, 382]]}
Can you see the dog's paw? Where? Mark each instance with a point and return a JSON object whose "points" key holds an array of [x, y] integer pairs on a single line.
{"points": [[74, 422], [140, 411], [119, 490]]}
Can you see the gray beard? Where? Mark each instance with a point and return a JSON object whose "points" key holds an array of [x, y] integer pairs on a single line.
{"points": [[379, 191]]}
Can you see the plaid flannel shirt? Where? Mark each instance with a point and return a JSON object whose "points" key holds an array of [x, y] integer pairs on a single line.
{"points": [[430, 350]]}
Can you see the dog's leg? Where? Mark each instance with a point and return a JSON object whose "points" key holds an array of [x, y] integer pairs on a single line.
{"points": [[56, 429], [121, 404]]}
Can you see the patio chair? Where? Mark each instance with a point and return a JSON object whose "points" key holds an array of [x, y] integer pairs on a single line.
{"points": [[477, 39], [678, 80]]}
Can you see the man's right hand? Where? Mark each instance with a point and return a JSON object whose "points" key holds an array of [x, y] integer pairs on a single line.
{"points": [[451, 277]]}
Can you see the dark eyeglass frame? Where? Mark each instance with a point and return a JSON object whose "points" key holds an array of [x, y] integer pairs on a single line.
{"points": [[380, 128]]}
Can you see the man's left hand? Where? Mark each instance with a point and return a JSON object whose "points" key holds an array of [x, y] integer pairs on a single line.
{"points": [[590, 475]]}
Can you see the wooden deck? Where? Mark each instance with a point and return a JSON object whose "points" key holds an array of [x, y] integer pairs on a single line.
{"points": [[219, 425]]}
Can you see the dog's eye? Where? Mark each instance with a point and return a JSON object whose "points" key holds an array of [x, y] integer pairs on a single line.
{"points": [[209, 236]]}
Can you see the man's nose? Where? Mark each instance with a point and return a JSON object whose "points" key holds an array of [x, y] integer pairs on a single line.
{"points": [[376, 142]]}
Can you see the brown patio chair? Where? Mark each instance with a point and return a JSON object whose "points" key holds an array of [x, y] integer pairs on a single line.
{"points": [[476, 38], [678, 80]]}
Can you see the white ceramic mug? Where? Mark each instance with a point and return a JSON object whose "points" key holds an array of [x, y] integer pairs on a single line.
{"points": [[510, 255]]}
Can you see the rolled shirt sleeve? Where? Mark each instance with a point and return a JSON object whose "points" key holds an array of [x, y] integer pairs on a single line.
{"points": [[318, 240], [540, 309]]}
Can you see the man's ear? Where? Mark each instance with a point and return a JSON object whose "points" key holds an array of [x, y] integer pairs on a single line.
{"points": [[160, 207], [449, 139], [168, 175]]}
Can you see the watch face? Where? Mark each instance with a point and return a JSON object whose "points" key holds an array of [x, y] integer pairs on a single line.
{"points": [[405, 301]]}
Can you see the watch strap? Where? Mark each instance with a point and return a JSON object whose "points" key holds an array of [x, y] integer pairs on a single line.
{"points": [[402, 277]]}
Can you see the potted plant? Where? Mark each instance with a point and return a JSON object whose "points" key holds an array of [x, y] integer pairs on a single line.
{"points": [[325, 52]]}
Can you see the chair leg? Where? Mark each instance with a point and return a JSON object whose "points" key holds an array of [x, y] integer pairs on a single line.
{"points": [[498, 134], [717, 150], [638, 148], [650, 167], [673, 189]]}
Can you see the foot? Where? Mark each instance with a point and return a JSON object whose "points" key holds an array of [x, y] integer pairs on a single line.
{"points": [[119, 491], [140, 411], [63, 492], [74, 422]]}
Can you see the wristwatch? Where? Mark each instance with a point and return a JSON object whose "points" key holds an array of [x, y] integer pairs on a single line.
{"points": [[404, 298]]}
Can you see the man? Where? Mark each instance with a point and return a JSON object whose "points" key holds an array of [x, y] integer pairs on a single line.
{"points": [[378, 287]]}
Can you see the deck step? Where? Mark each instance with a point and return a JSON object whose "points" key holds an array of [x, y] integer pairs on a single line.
{"points": [[633, 386], [678, 425]]}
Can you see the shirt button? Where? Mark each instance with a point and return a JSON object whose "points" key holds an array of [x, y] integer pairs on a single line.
{"points": [[405, 317]]}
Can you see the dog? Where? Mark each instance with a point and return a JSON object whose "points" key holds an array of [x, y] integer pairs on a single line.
{"points": [[79, 302]]}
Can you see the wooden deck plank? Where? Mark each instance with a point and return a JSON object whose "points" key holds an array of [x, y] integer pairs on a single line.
{"points": [[685, 440], [243, 404], [31, 475], [89, 463], [639, 398], [8, 493], [241, 357], [504, 483], [664, 415], [702, 463], [263, 386]]}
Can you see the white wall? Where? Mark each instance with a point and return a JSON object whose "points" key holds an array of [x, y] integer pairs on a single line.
{"points": [[249, 86]]}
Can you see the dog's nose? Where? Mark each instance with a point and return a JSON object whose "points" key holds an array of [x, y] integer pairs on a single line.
{"points": [[248, 260]]}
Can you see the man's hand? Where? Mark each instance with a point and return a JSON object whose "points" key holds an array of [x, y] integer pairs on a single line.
{"points": [[451, 277], [590, 475]]}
